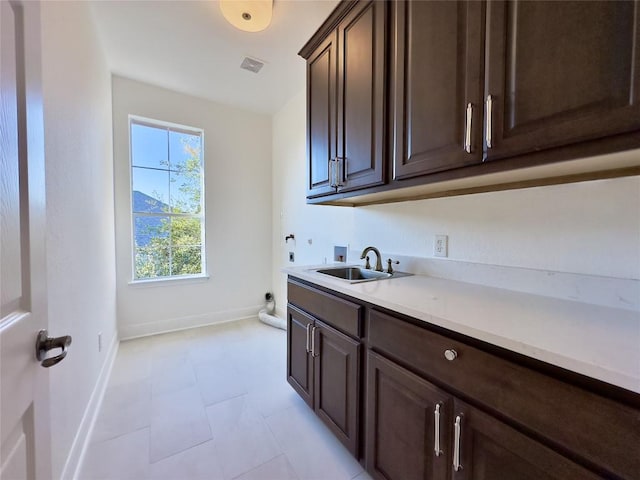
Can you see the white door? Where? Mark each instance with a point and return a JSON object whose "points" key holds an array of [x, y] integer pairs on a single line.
{"points": [[25, 444]]}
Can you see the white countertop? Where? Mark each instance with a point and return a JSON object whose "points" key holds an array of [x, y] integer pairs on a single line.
{"points": [[599, 342]]}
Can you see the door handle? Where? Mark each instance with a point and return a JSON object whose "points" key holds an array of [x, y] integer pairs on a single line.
{"points": [[44, 343]]}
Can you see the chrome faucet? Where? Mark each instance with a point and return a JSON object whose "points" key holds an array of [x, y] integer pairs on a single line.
{"points": [[378, 258]]}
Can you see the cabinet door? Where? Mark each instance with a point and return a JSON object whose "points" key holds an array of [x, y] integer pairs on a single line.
{"points": [[337, 383], [361, 73], [321, 115], [299, 362], [437, 56], [401, 424], [489, 449], [560, 73]]}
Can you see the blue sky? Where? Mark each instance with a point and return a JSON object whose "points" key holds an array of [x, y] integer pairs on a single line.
{"points": [[151, 151]]}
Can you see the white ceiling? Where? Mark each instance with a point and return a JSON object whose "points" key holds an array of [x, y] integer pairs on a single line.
{"points": [[187, 46]]}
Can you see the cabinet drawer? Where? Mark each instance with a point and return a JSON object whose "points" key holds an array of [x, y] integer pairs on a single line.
{"points": [[604, 433], [341, 314]]}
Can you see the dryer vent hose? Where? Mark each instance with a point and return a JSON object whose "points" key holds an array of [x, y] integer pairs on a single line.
{"points": [[267, 314]]}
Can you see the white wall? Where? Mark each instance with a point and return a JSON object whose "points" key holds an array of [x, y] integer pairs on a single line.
{"points": [[325, 226], [590, 228], [237, 160], [80, 240]]}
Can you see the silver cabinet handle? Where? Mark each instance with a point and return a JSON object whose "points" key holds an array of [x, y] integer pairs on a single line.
{"points": [[467, 128], [313, 341], [336, 168], [456, 444], [340, 165], [308, 332], [436, 421], [488, 133], [332, 172]]}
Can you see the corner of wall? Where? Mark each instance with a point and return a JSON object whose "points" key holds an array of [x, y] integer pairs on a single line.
{"points": [[80, 220]]}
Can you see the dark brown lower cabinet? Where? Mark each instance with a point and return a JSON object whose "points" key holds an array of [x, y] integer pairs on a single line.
{"points": [[323, 366], [336, 386], [490, 450], [299, 360], [436, 407], [416, 431], [407, 434]]}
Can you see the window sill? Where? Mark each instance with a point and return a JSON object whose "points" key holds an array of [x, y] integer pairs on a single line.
{"points": [[165, 282]]}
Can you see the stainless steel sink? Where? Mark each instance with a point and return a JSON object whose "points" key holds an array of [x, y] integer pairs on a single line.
{"points": [[358, 274]]}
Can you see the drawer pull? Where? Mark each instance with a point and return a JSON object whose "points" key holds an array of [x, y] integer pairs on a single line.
{"points": [[450, 355], [456, 444], [308, 335], [436, 421]]}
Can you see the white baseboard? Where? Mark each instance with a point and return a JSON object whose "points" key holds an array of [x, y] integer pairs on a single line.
{"points": [[80, 443], [128, 332]]}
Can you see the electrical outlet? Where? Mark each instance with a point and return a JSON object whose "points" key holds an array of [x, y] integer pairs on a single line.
{"points": [[292, 257], [440, 246], [99, 341]]}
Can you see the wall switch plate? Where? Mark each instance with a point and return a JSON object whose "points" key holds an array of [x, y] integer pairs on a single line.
{"points": [[292, 257], [440, 246]]}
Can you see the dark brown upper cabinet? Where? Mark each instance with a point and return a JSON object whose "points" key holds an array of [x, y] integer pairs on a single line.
{"points": [[437, 97], [559, 73], [321, 115], [457, 97], [346, 100]]}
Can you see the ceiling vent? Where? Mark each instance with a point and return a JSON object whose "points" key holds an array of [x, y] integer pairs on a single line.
{"points": [[252, 64]]}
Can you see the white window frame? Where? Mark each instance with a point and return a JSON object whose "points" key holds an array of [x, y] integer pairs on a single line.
{"points": [[150, 122]]}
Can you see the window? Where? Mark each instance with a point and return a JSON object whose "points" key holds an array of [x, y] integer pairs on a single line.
{"points": [[167, 200]]}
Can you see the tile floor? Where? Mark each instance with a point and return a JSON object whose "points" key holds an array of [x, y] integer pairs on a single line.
{"points": [[210, 403]]}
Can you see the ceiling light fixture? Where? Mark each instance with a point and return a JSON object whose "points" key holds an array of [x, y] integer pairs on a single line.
{"points": [[248, 15]]}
